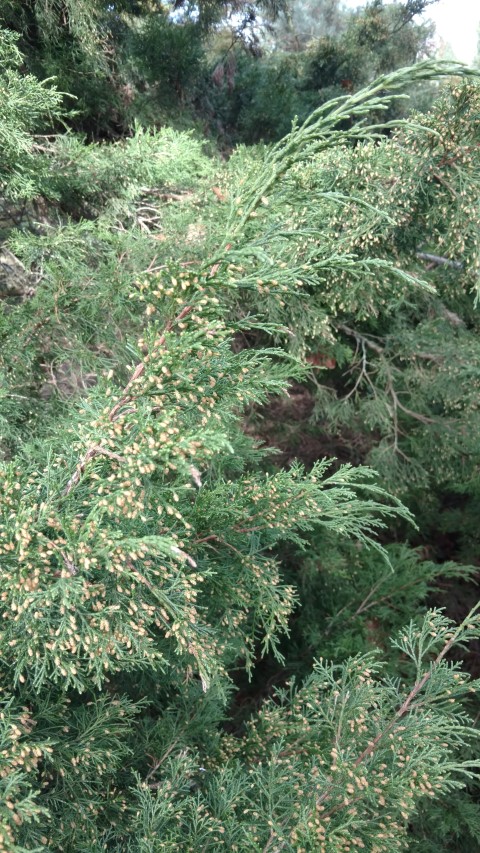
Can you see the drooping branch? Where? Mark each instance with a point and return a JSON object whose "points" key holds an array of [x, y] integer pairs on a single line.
{"points": [[365, 342], [407, 706]]}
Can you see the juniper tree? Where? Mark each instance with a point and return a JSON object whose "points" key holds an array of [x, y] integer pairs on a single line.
{"points": [[144, 534]]}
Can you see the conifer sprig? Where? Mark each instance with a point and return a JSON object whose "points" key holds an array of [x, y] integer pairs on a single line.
{"points": [[319, 132]]}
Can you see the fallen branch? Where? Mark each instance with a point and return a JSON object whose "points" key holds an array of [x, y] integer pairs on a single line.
{"points": [[439, 260]]}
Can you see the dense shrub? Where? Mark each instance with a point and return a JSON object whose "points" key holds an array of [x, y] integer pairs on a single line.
{"points": [[157, 552]]}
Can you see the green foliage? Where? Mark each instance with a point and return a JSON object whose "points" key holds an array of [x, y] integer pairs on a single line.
{"points": [[26, 106], [152, 63], [126, 61], [352, 601], [89, 180], [148, 522], [114, 221], [72, 41], [153, 548], [167, 55], [317, 53], [387, 208]]}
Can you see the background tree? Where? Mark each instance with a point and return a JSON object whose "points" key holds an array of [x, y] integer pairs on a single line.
{"points": [[315, 53], [161, 63], [110, 55]]}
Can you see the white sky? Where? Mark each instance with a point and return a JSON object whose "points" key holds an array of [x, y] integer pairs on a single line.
{"points": [[457, 23]]}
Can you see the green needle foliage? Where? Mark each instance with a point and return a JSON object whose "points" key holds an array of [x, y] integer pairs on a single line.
{"points": [[24, 104], [152, 548]]}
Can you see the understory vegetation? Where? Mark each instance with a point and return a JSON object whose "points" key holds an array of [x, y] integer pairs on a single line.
{"points": [[239, 435]]}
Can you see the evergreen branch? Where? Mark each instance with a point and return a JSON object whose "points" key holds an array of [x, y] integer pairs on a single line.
{"points": [[116, 411], [467, 629], [319, 131], [406, 706], [397, 404]]}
